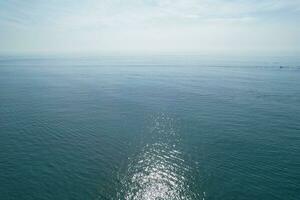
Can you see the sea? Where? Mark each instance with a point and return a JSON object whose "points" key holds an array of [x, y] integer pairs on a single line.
{"points": [[155, 127]]}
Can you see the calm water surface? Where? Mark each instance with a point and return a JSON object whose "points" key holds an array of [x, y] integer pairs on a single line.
{"points": [[91, 130]]}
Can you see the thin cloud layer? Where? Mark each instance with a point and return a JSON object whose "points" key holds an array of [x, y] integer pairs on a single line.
{"points": [[108, 24]]}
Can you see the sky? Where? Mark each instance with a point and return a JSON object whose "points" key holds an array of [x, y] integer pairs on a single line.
{"points": [[150, 26]]}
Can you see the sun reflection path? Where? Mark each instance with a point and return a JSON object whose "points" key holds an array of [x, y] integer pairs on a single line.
{"points": [[159, 171]]}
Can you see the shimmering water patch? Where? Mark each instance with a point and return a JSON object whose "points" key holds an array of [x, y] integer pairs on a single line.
{"points": [[159, 171]]}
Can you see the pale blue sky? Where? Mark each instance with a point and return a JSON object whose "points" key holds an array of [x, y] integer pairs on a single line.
{"points": [[158, 26]]}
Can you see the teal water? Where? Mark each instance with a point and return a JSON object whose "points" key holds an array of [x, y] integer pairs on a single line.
{"points": [[142, 130]]}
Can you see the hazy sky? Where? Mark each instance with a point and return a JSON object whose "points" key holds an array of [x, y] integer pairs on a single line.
{"points": [[173, 26]]}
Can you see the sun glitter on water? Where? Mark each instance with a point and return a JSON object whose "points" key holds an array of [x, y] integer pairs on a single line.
{"points": [[159, 171]]}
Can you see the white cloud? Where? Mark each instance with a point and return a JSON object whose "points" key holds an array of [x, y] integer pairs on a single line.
{"points": [[170, 25], [105, 13]]}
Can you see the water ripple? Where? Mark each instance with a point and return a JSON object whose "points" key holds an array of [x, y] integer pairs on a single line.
{"points": [[159, 170]]}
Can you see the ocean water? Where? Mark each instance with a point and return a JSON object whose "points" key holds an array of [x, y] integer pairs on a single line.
{"points": [[129, 128]]}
